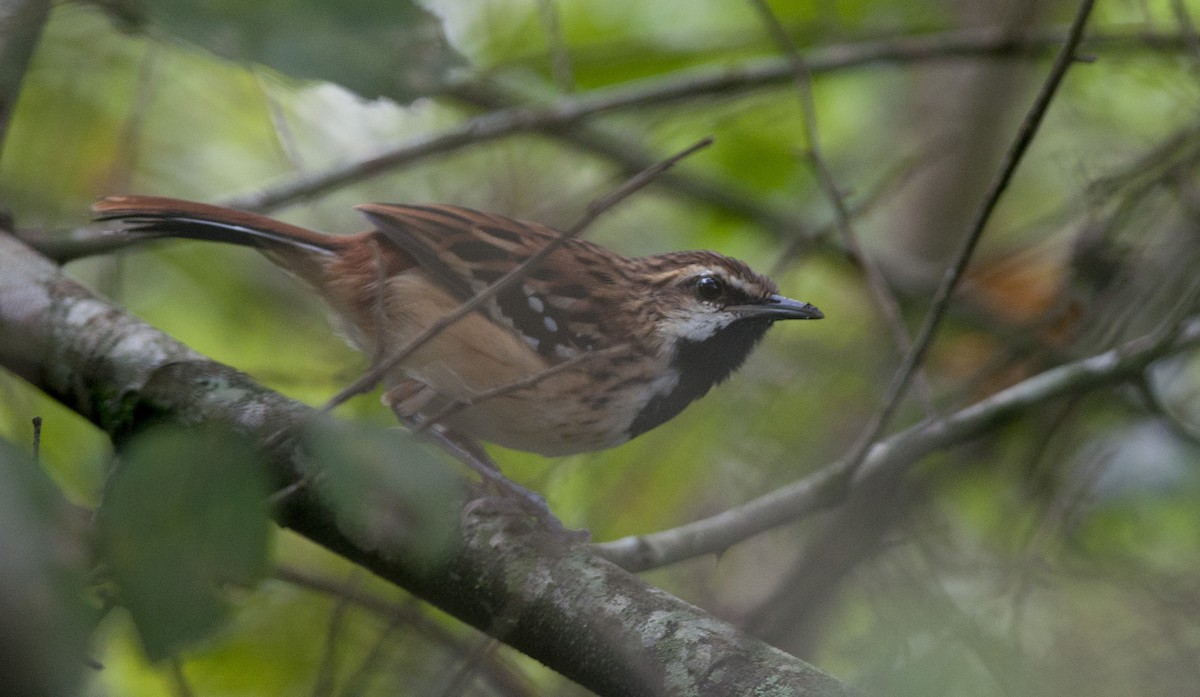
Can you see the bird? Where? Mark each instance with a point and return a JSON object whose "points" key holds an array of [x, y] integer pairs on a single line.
{"points": [[587, 350]]}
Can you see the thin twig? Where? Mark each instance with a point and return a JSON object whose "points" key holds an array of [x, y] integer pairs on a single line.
{"points": [[826, 487], [560, 57], [881, 295], [182, 687], [681, 85], [1187, 29], [130, 136], [941, 300], [899, 174], [372, 663], [281, 127], [503, 678], [597, 208], [461, 680], [37, 439], [627, 152], [327, 670]]}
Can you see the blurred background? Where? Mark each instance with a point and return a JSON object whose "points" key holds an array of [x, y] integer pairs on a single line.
{"points": [[1057, 554]]}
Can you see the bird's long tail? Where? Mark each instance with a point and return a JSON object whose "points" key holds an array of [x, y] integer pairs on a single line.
{"points": [[156, 216]]}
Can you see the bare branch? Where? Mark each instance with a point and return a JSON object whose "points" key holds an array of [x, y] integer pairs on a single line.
{"points": [[883, 299], [569, 111], [560, 56], [941, 300], [631, 156], [827, 486]]}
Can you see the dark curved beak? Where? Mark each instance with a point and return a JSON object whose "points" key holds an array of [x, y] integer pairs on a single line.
{"points": [[776, 307]]}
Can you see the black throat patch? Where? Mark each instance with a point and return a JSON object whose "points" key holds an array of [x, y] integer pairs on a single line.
{"points": [[701, 364]]}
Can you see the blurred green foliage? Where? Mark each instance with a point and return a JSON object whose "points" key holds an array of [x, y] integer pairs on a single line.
{"points": [[1057, 554], [184, 519], [387, 487], [374, 47]]}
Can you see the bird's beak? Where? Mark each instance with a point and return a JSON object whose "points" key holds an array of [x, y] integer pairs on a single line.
{"points": [[776, 307]]}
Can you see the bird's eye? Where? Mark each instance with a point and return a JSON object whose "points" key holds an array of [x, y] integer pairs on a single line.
{"points": [[709, 289]]}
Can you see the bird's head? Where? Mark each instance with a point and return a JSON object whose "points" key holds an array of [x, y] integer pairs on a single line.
{"points": [[700, 297]]}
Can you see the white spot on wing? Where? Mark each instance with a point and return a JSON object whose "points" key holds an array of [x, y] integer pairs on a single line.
{"points": [[551, 325]]}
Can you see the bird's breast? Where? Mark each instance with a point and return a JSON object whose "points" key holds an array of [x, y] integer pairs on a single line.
{"points": [[586, 408]]}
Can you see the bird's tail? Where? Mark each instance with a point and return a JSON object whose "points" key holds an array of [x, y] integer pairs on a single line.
{"points": [[156, 216]]}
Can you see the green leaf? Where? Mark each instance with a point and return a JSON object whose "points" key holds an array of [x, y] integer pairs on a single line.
{"points": [[387, 489], [374, 47], [184, 518]]}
